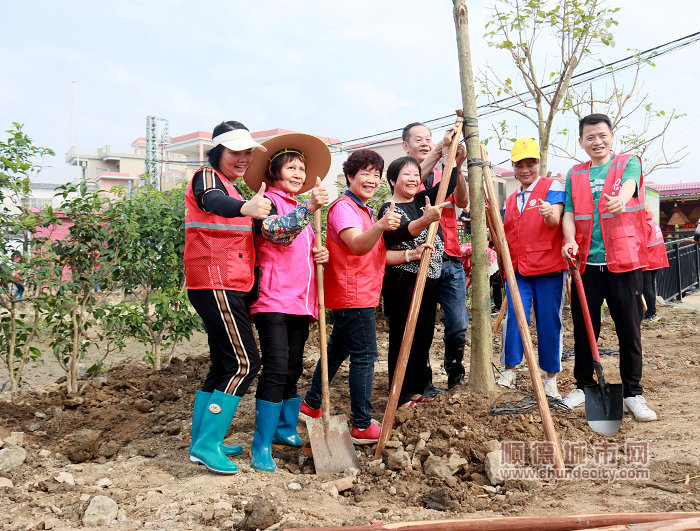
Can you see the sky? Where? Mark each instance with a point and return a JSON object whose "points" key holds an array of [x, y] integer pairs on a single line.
{"points": [[337, 69]]}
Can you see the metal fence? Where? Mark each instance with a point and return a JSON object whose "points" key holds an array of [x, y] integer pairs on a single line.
{"points": [[683, 271]]}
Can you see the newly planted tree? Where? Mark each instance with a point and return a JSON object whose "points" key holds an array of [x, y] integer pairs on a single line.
{"points": [[156, 310], [23, 271], [86, 259]]}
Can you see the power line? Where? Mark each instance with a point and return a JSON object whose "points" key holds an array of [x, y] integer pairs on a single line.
{"points": [[523, 97]]}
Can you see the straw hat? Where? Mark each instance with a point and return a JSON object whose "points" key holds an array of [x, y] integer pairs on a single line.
{"points": [[317, 158]]}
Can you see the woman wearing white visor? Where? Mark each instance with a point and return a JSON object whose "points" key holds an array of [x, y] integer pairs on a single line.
{"points": [[219, 260]]}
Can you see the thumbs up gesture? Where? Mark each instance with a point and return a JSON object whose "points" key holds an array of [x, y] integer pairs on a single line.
{"points": [[390, 220], [319, 196], [614, 204], [433, 213], [545, 208], [259, 206]]}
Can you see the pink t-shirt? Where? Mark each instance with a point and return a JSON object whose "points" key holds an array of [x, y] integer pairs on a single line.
{"points": [[343, 216]]}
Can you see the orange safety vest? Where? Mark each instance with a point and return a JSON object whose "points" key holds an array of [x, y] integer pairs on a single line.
{"points": [[535, 248], [623, 235], [353, 281], [219, 251]]}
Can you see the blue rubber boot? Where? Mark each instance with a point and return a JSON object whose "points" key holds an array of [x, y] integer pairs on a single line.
{"points": [[286, 434], [201, 400], [267, 415], [215, 420]]}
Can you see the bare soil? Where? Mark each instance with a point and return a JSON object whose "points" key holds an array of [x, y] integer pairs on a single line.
{"points": [[136, 448]]}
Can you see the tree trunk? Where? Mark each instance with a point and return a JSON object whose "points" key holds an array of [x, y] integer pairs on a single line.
{"points": [[480, 373]]}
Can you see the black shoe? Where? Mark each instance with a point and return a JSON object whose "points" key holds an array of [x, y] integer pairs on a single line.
{"points": [[431, 391], [454, 382]]}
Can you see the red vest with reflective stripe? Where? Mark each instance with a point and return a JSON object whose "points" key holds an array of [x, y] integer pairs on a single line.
{"points": [[448, 220], [219, 251], [353, 281], [656, 250], [535, 248], [623, 235]]}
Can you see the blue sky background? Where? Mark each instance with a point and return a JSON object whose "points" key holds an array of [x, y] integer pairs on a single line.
{"points": [[336, 69]]}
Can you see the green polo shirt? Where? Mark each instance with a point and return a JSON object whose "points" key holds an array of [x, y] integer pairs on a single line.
{"points": [[633, 170]]}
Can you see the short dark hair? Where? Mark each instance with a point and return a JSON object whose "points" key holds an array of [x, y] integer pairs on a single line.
{"points": [[279, 159], [395, 167], [406, 134], [214, 154], [593, 119], [362, 159]]}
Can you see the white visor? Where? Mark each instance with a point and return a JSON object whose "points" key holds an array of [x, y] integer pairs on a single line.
{"points": [[237, 140]]}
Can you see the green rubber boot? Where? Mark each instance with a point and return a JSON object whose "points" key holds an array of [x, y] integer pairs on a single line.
{"points": [[201, 400], [286, 434], [267, 415], [214, 423]]}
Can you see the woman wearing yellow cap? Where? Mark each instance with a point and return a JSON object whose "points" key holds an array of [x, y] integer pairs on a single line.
{"points": [[533, 230]]}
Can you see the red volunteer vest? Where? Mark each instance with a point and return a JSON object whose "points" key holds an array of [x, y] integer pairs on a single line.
{"points": [[535, 248], [353, 281], [623, 235], [219, 252], [448, 220], [656, 250]]}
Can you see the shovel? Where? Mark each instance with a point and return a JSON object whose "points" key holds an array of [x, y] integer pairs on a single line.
{"points": [[329, 437], [603, 401]]}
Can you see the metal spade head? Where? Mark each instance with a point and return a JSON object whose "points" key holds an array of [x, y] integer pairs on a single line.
{"points": [[604, 408]]}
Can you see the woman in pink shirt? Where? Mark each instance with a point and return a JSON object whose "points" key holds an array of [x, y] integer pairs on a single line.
{"points": [[287, 300]]}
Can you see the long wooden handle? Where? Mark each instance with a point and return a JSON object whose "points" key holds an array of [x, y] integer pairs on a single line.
{"points": [[583, 302], [409, 331], [499, 240], [325, 392]]}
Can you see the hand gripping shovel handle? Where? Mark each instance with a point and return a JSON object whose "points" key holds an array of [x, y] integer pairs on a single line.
{"points": [[325, 393], [576, 273]]}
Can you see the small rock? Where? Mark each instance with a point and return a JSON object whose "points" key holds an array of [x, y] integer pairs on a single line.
{"points": [[436, 466], [104, 483], [392, 490], [173, 428], [83, 445], [425, 435], [479, 479], [259, 514], [398, 460], [393, 444], [147, 451], [143, 405], [40, 414], [11, 457], [101, 511], [34, 426], [109, 449], [16, 438], [65, 477], [492, 464], [5, 483], [44, 453], [73, 401], [456, 462], [294, 486], [492, 446], [420, 445], [490, 489]]}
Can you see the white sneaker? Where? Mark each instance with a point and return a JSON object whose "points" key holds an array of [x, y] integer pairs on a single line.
{"points": [[550, 388], [575, 398], [507, 378], [638, 406]]}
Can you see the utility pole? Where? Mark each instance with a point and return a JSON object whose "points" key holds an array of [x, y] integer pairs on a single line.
{"points": [[154, 149], [480, 372]]}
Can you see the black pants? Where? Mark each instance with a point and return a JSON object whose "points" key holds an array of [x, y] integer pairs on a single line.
{"points": [[497, 284], [234, 355], [623, 292], [650, 291], [398, 292], [282, 338]]}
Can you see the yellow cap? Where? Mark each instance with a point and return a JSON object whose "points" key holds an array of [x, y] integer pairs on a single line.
{"points": [[524, 148]]}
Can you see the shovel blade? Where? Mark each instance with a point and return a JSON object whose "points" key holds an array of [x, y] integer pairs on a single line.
{"points": [[332, 449], [604, 408]]}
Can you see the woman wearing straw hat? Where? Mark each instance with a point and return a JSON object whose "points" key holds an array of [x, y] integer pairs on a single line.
{"points": [[286, 256], [219, 259]]}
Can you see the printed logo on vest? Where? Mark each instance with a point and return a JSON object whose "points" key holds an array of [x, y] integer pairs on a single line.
{"points": [[532, 202], [215, 409], [617, 184]]}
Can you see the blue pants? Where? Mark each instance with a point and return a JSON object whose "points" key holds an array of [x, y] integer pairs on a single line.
{"points": [[452, 296], [355, 335], [546, 293]]}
